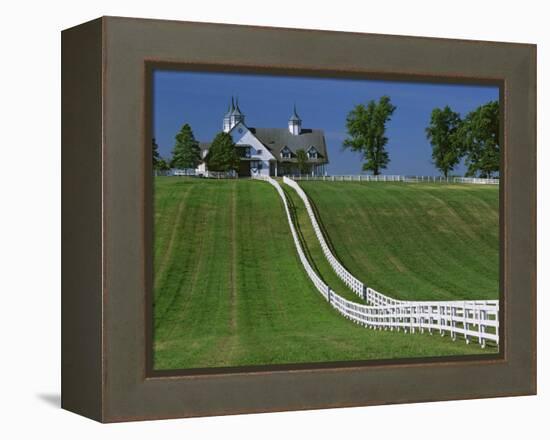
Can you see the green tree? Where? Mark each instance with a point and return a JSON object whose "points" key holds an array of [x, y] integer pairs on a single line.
{"points": [[222, 155], [366, 127], [478, 138], [285, 168], [441, 133], [302, 161], [156, 155], [163, 165], [186, 152]]}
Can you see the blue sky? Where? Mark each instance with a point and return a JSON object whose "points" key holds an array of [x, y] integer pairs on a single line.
{"points": [[201, 99]]}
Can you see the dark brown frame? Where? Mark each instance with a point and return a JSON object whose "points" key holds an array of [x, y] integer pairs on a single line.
{"points": [[106, 195]]}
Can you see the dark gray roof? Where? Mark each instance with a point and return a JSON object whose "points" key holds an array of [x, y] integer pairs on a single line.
{"points": [[275, 139]]}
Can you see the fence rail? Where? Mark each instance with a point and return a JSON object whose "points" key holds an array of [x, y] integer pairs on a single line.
{"points": [[399, 178], [478, 319]]}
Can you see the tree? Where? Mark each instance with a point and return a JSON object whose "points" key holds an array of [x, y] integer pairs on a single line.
{"points": [[285, 168], [441, 133], [222, 154], [367, 133], [186, 153], [478, 138], [302, 161], [156, 155], [159, 164], [163, 165]]}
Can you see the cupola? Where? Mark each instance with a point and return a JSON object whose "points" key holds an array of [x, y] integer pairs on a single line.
{"points": [[295, 123]]}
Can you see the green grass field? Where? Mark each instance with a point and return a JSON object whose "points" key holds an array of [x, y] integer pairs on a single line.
{"points": [[229, 289], [414, 241]]}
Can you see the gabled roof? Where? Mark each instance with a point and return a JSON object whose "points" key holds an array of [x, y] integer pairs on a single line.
{"points": [[275, 139]]}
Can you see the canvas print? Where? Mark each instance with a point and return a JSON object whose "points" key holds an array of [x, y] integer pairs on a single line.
{"points": [[302, 220]]}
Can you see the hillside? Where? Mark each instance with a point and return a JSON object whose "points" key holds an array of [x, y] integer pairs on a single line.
{"points": [[230, 290], [414, 241], [312, 247]]}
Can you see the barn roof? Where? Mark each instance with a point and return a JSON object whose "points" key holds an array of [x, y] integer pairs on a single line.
{"points": [[278, 138]]}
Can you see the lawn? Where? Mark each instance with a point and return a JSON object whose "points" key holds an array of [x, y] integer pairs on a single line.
{"points": [[229, 289], [415, 241]]}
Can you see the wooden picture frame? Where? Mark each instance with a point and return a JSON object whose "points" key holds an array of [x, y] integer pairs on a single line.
{"points": [[107, 215]]}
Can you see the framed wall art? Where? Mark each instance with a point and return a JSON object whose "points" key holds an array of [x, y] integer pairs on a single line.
{"points": [[265, 219]]}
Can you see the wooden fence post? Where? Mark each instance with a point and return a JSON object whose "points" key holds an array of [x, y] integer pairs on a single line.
{"points": [[453, 333], [430, 319], [465, 316], [483, 317], [399, 319]]}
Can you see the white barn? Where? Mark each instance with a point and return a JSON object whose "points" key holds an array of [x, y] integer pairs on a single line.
{"points": [[271, 151]]}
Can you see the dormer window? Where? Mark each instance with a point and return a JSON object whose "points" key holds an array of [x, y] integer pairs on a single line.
{"points": [[312, 153], [285, 153]]}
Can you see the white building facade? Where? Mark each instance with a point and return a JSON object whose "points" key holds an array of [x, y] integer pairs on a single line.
{"points": [[271, 151]]}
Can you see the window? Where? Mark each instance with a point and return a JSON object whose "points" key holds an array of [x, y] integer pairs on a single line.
{"points": [[259, 152], [285, 153], [312, 153], [243, 151]]}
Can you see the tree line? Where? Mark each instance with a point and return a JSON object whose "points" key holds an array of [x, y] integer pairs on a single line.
{"points": [[222, 155], [474, 138]]}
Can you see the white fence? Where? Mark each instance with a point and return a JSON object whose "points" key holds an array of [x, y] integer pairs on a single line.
{"points": [[399, 178], [476, 180], [191, 172], [468, 318], [182, 172]]}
